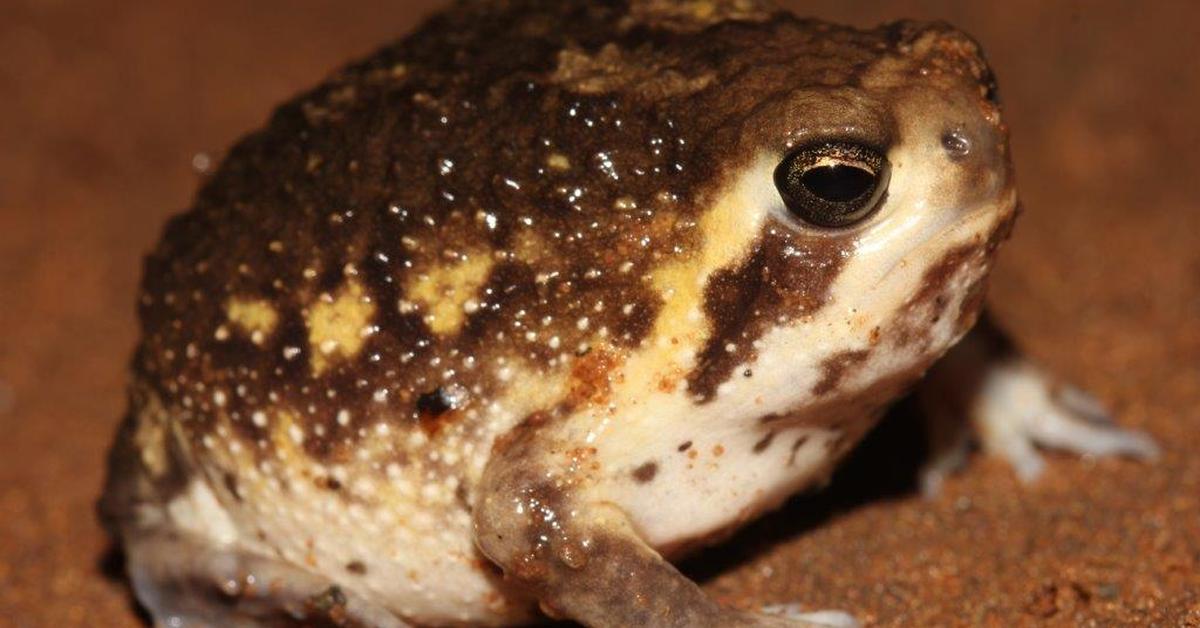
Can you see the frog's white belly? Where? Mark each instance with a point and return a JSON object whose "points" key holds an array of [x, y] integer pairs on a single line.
{"points": [[397, 561]]}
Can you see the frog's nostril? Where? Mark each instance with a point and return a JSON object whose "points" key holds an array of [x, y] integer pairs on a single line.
{"points": [[956, 143]]}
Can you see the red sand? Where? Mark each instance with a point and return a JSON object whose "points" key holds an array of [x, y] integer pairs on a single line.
{"points": [[105, 103]]}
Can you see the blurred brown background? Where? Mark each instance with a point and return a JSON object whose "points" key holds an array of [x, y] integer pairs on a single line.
{"points": [[104, 107]]}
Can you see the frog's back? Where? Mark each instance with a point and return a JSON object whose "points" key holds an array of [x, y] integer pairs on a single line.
{"points": [[479, 200], [385, 227]]}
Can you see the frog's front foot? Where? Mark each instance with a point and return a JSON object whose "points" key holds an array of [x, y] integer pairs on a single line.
{"points": [[1014, 407], [581, 558], [1019, 407]]}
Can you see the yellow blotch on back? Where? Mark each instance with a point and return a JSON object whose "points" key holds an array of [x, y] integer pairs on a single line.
{"points": [[287, 437], [446, 293], [338, 325], [728, 230], [256, 317]]}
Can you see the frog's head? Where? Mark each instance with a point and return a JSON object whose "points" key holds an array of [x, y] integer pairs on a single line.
{"points": [[869, 202], [860, 185]]}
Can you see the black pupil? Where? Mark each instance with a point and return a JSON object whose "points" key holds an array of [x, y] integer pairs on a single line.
{"points": [[838, 183]]}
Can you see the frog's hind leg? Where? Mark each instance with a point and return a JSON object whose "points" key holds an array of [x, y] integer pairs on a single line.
{"points": [[188, 583]]}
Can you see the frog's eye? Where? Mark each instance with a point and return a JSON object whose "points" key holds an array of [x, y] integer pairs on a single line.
{"points": [[832, 184]]}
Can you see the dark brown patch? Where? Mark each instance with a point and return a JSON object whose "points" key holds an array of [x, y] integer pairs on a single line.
{"points": [[727, 299], [436, 408], [835, 368], [932, 294], [645, 472], [787, 275], [684, 446], [434, 403], [462, 495], [764, 442], [357, 567], [231, 485], [938, 275]]}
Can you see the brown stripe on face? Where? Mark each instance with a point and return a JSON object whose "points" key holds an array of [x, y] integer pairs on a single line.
{"points": [[788, 275], [907, 330]]}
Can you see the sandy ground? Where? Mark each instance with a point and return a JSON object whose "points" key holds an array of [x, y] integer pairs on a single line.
{"points": [[103, 106]]}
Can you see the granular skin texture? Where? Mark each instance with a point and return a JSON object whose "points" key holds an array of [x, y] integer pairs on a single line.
{"points": [[110, 110]]}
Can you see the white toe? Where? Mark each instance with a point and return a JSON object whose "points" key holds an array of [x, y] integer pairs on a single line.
{"points": [[1060, 429], [1017, 409]]}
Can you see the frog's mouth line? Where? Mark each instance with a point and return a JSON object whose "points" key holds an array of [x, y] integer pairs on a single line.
{"points": [[949, 229]]}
